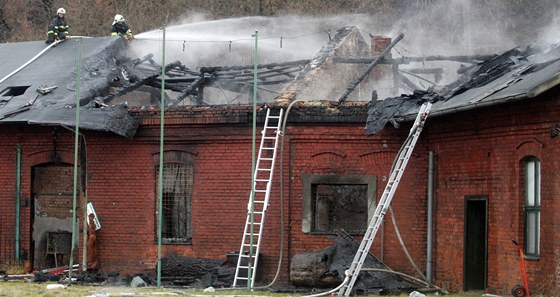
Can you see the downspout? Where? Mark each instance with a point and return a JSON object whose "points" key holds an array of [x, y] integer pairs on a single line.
{"points": [[429, 240], [18, 199]]}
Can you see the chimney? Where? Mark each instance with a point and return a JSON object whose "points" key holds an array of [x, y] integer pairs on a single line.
{"points": [[382, 74]]}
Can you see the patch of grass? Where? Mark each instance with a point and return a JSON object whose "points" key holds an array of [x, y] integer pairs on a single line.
{"points": [[23, 289], [12, 268]]}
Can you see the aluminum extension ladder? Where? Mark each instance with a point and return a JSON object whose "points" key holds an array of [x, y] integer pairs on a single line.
{"points": [[385, 200], [245, 271]]}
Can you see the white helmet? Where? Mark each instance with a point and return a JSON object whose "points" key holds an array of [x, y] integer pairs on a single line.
{"points": [[119, 18], [61, 10]]}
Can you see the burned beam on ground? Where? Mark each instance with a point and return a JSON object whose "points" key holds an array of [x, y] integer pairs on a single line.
{"points": [[358, 80]]}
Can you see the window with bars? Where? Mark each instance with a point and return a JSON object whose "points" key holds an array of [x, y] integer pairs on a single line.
{"points": [[532, 184], [176, 202]]}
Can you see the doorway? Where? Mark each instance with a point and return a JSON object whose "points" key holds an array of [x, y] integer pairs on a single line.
{"points": [[476, 243], [51, 215]]}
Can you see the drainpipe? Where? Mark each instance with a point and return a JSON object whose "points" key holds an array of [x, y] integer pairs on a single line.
{"points": [[430, 216], [18, 198]]}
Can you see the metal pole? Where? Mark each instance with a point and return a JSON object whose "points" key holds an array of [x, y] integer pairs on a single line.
{"points": [[18, 199], [253, 151], [76, 145], [160, 176], [430, 216]]}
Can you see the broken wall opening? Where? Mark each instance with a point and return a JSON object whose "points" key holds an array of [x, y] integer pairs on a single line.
{"points": [[51, 226]]}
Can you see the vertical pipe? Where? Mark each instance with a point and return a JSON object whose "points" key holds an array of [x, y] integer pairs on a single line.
{"points": [[160, 176], [76, 145], [83, 161], [253, 151], [430, 216], [18, 199]]}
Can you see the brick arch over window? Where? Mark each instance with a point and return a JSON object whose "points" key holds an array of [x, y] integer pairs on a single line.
{"points": [[50, 156]]}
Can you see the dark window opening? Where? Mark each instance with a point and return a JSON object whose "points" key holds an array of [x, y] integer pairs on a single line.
{"points": [[14, 91], [339, 206], [176, 203]]}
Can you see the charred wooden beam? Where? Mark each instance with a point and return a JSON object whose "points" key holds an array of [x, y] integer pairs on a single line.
{"points": [[405, 81], [418, 76], [260, 66], [189, 90], [129, 88], [358, 80], [147, 57], [277, 71], [407, 60], [436, 72]]}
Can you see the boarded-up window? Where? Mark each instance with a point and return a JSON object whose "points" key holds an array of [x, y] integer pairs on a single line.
{"points": [[176, 202], [333, 202], [339, 206]]}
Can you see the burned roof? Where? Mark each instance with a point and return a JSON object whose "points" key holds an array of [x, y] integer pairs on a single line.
{"points": [[41, 86], [513, 75]]}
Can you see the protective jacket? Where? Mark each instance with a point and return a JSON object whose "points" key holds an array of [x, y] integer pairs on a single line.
{"points": [[60, 28], [121, 29]]}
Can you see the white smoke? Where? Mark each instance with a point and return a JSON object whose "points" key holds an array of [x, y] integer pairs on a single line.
{"points": [[454, 27]]}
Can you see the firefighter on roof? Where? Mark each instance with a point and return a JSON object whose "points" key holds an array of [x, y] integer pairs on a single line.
{"points": [[121, 28], [58, 29]]}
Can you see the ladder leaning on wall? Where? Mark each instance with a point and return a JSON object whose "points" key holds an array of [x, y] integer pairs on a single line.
{"points": [[258, 201], [385, 201]]}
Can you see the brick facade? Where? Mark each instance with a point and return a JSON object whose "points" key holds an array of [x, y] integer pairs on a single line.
{"points": [[477, 152]]}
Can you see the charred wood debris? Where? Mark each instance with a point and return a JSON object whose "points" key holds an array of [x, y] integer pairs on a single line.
{"points": [[190, 83], [310, 272]]}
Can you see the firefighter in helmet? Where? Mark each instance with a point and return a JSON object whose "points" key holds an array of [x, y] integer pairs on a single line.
{"points": [[58, 29], [121, 28]]}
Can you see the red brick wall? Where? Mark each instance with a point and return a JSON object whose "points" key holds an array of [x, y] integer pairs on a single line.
{"points": [[479, 152]]}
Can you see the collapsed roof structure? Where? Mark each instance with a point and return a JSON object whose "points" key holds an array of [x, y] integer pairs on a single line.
{"points": [[513, 75], [43, 92]]}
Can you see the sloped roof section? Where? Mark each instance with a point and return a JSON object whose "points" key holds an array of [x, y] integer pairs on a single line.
{"points": [[513, 75], [56, 71]]}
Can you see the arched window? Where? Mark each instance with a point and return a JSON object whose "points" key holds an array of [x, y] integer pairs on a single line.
{"points": [[532, 185]]}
